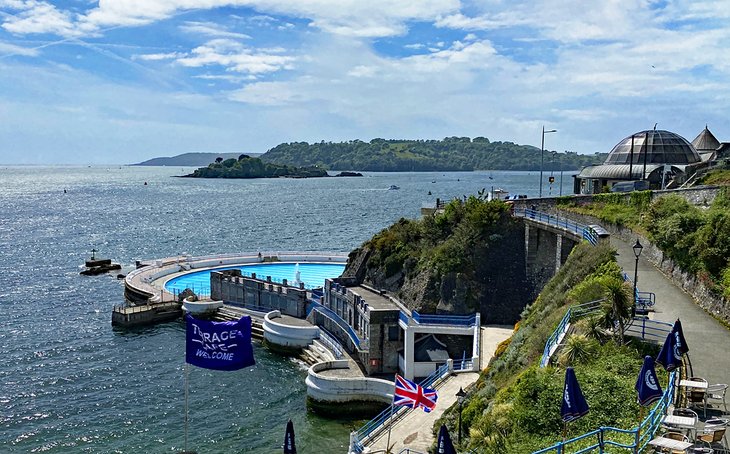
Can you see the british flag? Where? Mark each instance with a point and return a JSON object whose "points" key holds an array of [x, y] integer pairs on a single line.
{"points": [[413, 395]]}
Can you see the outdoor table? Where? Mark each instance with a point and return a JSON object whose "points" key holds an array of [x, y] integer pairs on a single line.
{"points": [[701, 385], [669, 443], [682, 422], [701, 450]]}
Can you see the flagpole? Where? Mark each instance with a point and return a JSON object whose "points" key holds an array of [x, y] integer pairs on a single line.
{"points": [[390, 419], [187, 373]]}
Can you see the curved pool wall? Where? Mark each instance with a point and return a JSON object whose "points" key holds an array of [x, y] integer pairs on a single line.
{"points": [[311, 274], [146, 284]]}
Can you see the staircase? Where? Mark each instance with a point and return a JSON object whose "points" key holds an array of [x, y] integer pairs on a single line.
{"points": [[231, 313]]}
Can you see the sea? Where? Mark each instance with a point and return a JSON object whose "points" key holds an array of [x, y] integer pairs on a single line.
{"points": [[70, 383]]}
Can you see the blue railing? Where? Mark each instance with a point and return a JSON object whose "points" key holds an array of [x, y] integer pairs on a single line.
{"points": [[461, 320], [391, 412], [574, 312], [647, 329], [332, 315], [583, 231], [428, 319], [634, 440]]}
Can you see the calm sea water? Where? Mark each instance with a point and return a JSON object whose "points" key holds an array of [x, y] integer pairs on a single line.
{"points": [[71, 383]]}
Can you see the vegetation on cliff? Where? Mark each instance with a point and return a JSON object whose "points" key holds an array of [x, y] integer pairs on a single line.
{"points": [[698, 240], [453, 261], [451, 153], [515, 406], [248, 167]]}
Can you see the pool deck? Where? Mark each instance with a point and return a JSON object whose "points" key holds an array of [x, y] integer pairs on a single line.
{"points": [[148, 281]]}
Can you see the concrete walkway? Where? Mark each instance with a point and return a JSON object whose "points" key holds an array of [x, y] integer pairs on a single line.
{"points": [[415, 429], [707, 339]]}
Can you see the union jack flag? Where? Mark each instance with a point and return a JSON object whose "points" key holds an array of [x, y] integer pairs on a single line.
{"points": [[413, 395]]}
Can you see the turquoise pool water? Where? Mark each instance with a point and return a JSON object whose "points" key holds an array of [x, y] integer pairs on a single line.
{"points": [[312, 274]]}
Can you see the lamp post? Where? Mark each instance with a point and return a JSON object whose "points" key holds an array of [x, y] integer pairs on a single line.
{"points": [[460, 396], [637, 252], [542, 153]]}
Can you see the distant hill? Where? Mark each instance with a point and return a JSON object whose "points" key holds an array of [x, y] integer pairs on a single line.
{"points": [[451, 153], [191, 159]]}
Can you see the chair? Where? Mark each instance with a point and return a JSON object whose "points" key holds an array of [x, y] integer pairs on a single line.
{"points": [[696, 399], [716, 422], [712, 436], [716, 393]]}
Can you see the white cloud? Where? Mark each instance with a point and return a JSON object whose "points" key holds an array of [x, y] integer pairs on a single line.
{"points": [[374, 18], [39, 17], [7, 49], [268, 94], [234, 56], [157, 57]]}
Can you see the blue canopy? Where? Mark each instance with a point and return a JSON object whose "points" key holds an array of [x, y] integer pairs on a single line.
{"points": [[574, 404], [681, 343], [443, 443], [670, 357], [647, 385], [290, 446]]}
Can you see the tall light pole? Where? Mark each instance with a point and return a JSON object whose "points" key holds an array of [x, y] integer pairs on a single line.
{"points": [[637, 252], [542, 153], [460, 396]]}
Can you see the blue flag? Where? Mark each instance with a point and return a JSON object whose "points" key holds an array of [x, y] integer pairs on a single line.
{"points": [[219, 345], [647, 385], [574, 404]]}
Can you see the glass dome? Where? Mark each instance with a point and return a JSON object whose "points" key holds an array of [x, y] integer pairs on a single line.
{"points": [[663, 147]]}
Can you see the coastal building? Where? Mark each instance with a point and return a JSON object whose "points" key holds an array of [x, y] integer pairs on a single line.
{"points": [[651, 159]]}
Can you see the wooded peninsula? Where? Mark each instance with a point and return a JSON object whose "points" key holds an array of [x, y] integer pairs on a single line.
{"points": [[448, 154]]}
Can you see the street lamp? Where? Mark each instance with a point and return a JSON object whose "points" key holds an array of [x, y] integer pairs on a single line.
{"points": [[637, 252], [460, 396], [542, 153]]}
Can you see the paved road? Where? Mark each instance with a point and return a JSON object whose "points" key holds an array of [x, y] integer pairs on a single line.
{"points": [[415, 429], [708, 340]]}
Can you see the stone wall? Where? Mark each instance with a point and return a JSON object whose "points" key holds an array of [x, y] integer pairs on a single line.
{"points": [[257, 294], [701, 196]]}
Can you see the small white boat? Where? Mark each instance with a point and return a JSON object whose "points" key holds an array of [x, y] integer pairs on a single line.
{"points": [[497, 194]]}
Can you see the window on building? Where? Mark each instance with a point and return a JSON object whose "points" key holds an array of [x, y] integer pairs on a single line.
{"points": [[393, 332]]}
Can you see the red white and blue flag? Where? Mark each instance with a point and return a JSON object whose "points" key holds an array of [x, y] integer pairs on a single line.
{"points": [[413, 395]]}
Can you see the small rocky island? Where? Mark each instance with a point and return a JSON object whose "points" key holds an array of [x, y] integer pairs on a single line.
{"points": [[247, 167]]}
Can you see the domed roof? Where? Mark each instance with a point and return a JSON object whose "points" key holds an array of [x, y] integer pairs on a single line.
{"points": [[660, 147]]}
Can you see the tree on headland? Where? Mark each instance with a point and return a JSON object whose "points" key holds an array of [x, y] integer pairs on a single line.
{"points": [[218, 160]]}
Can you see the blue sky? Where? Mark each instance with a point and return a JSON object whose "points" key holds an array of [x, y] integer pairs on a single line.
{"points": [[120, 81]]}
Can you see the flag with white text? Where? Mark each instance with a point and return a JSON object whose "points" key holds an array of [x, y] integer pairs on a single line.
{"points": [[219, 345]]}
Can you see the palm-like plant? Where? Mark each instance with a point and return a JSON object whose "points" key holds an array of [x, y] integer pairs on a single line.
{"points": [[616, 308], [578, 347]]}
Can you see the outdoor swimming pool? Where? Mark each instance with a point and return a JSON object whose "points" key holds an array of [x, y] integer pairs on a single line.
{"points": [[312, 274]]}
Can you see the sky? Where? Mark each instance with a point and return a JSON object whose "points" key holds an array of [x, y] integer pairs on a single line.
{"points": [[121, 81]]}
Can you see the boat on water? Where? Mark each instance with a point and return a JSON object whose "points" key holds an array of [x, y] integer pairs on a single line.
{"points": [[393, 187], [497, 194]]}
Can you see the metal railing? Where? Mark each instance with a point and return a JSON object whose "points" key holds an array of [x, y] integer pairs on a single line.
{"points": [[583, 231], [428, 319], [573, 313], [332, 315], [647, 329], [391, 413], [330, 341], [631, 440]]}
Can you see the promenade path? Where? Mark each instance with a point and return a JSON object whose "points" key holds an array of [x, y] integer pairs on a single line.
{"points": [[707, 339], [415, 429]]}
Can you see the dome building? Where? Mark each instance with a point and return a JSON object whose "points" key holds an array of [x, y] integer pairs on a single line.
{"points": [[647, 160]]}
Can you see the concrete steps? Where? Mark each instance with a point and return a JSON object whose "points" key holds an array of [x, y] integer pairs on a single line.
{"points": [[229, 313]]}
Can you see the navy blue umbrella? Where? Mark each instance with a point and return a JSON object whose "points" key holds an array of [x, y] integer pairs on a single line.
{"points": [[682, 346], [670, 357], [290, 446], [574, 404], [443, 443], [647, 385]]}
